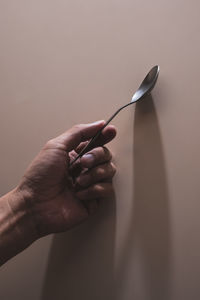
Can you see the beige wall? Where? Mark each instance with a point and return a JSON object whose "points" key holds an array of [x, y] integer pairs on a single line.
{"points": [[55, 54]]}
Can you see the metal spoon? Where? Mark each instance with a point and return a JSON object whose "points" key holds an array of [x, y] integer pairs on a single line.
{"points": [[145, 88]]}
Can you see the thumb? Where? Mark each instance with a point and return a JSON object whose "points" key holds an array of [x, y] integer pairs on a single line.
{"points": [[79, 133]]}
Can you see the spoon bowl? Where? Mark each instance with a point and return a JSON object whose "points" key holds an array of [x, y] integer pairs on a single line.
{"points": [[147, 84], [145, 88]]}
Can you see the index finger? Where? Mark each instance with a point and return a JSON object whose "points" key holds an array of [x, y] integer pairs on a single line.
{"points": [[77, 134], [105, 137]]}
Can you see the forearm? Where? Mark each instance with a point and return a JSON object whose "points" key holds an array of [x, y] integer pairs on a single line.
{"points": [[17, 230]]}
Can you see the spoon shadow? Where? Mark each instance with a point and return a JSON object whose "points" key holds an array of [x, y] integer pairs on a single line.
{"points": [[147, 251]]}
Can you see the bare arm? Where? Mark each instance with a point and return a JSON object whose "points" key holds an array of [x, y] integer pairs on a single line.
{"points": [[17, 230]]}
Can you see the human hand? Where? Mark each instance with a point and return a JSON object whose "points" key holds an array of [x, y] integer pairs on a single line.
{"points": [[58, 196]]}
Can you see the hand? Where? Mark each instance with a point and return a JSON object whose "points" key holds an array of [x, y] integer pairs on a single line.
{"points": [[58, 197]]}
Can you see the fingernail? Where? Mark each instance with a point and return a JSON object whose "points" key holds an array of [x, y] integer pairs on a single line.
{"points": [[87, 160]]}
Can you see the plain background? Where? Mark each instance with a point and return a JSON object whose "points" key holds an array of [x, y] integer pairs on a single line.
{"points": [[72, 61]]}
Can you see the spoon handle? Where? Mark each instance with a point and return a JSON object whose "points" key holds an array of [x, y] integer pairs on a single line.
{"points": [[95, 137]]}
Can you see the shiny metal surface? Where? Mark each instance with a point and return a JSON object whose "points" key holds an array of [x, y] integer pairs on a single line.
{"points": [[147, 84]]}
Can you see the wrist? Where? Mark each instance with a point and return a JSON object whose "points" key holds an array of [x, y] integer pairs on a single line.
{"points": [[25, 229], [17, 230]]}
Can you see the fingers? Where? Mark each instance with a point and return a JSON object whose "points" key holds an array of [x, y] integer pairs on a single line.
{"points": [[108, 133], [95, 182], [105, 137], [91, 159], [77, 134], [95, 157], [98, 174], [75, 137], [97, 191]]}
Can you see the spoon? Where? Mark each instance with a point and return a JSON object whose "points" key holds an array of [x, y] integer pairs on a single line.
{"points": [[145, 88]]}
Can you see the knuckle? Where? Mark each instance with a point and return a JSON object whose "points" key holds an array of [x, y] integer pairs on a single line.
{"points": [[107, 152], [101, 190], [49, 144], [100, 172], [97, 189], [113, 168]]}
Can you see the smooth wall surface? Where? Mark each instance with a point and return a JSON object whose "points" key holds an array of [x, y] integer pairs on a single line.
{"points": [[67, 62]]}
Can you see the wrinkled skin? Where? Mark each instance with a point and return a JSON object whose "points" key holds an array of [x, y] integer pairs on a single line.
{"points": [[58, 196]]}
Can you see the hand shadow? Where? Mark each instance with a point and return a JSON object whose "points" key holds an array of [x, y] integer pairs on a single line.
{"points": [[80, 264], [147, 249]]}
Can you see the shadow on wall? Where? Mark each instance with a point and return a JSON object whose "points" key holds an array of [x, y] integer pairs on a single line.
{"points": [[147, 249], [81, 262]]}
